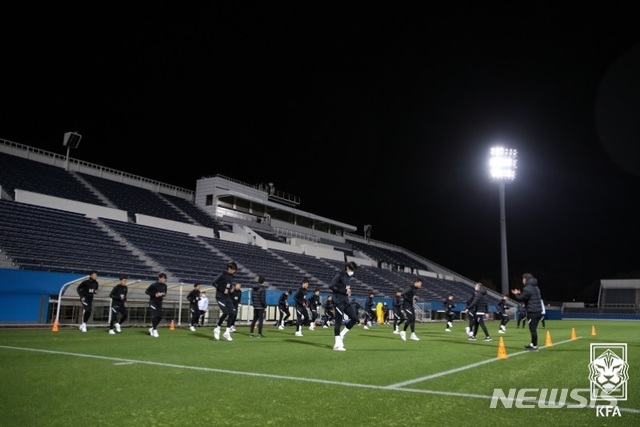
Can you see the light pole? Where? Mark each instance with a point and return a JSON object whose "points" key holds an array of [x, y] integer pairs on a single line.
{"points": [[502, 166], [71, 140]]}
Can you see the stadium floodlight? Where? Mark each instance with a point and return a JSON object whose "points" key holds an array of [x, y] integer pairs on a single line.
{"points": [[71, 140], [502, 167]]}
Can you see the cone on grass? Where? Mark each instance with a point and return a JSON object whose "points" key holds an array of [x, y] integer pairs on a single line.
{"points": [[502, 351], [593, 331], [548, 342], [573, 334], [55, 326], [172, 327]]}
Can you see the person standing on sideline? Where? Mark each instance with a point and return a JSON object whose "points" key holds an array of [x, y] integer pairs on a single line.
{"points": [[530, 296], [544, 313], [156, 291], [369, 311], [194, 311], [259, 302], [521, 313], [329, 314], [479, 306], [385, 313], [408, 297], [356, 309], [224, 285], [236, 298], [87, 290], [283, 308], [449, 314], [341, 287], [398, 312], [504, 316], [118, 297], [203, 307], [300, 298], [314, 303]]}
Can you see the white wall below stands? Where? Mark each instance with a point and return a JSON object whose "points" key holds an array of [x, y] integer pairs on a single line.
{"points": [[91, 211], [165, 224]]}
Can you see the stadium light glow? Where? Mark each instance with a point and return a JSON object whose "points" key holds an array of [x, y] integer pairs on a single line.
{"points": [[502, 167]]}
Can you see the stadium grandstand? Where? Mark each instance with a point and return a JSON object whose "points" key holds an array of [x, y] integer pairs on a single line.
{"points": [[63, 217]]}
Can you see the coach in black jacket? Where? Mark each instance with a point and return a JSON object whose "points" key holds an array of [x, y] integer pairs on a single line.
{"points": [[530, 296]]}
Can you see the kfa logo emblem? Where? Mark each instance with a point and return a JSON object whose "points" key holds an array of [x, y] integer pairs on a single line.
{"points": [[608, 372]]}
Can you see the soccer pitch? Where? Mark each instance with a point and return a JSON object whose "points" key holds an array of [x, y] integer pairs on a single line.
{"points": [[70, 378]]}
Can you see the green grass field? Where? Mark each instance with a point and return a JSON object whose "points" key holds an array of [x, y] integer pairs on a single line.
{"points": [[68, 378]]}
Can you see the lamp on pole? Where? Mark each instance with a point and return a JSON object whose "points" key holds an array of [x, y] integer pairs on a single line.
{"points": [[71, 140], [502, 166]]}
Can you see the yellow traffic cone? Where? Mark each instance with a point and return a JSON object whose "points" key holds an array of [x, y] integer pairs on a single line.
{"points": [[593, 331], [573, 334], [55, 326], [548, 342], [172, 327], [502, 351]]}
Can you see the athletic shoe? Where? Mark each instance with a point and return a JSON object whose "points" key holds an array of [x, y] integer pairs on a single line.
{"points": [[192, 328], [155, 333], [112, 332], [501, 331], [414, 337], [471, 338], [151, 331], [260, 336], [447, 330], [449, 325], [227, 336], [325, 326], [403, 335], [117, 325], [311, 328], [366, 327], [502, 328], [216, 332], [395, 331], [487, 339], [468, 331], [531, 347], [83, 327], [298, 333], [280, 327], [232, 329], [339, 347]]}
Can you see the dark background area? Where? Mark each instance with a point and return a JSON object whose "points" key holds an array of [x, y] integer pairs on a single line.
{"points": [[371, 115]]}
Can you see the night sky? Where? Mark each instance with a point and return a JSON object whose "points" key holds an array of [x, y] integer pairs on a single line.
{"points": [[371, 115]]}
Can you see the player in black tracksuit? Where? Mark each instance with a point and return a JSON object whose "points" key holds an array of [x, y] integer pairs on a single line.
{"points": [[369, 311], [156, 291], [301, 307], [449, 314], [522, 315], [504, 316], [409, 296], [224, 284], [194, 311], [530, 296], [398, 312], [314, 303], [479, 306], [341, 287], [86, 290], [118, 297], [283, 308], [471, 317], [329, 314], [259, 302]]}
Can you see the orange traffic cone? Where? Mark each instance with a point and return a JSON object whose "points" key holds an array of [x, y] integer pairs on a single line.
{"points": [[593, 331], [573, 334], [172, 327], [502, 351], [55, 326], [548, 342]]}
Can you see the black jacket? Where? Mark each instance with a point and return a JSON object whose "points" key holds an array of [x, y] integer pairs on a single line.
{"points": [[116, 293], [193, 297], [479, 302], [87, 289], [530, 296], [259, 297], [223, 282]]}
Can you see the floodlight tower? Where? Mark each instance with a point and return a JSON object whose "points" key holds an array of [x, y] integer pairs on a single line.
{"points": [[502, 166]]}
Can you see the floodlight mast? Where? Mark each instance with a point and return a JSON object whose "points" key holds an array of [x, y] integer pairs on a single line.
{"points": [[502, 166]]}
